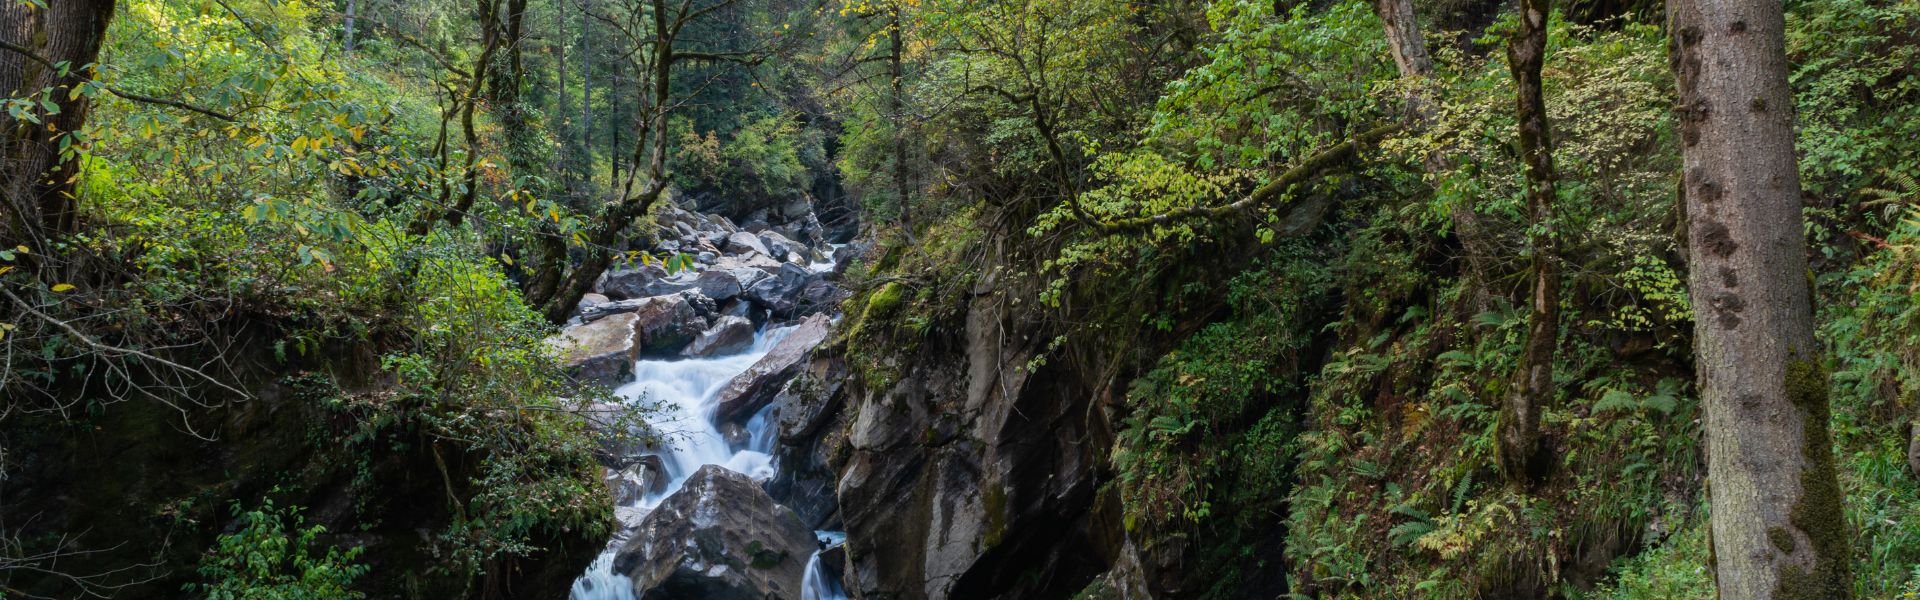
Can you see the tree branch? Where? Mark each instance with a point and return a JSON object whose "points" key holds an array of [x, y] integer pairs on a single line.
{"points": [[30, 55], [1300, 173]]}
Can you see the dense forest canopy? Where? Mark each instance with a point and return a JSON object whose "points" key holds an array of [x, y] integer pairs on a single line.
{"points": [[995, 299]]}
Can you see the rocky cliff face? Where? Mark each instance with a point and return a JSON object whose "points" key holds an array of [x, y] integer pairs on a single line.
{"points": [[971, 477]]}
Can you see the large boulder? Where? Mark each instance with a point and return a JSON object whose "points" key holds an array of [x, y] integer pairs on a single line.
{"points": [[743, 242], [718, 538], [781, 293], [622, 284], [728, 335], [779, 247], [753, 389], [810, 432], [601, 351], [646, 476], [722, 284], [664, 325]]}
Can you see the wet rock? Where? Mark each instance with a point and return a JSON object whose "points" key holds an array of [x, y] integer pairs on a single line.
{"points": [[647, 475], [743, 242], [622, 284], [736, 435], [810, 431], [753, 389], [719, 538], [664, 325], [780, 293], [728, 335], [601, 351]]}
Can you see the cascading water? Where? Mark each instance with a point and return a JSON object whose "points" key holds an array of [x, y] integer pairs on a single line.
{"points": [[685, 392], [820, 584]]}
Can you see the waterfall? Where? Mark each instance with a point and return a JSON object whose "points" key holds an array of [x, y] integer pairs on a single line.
{"points": [[683, 394], [820, 584]]}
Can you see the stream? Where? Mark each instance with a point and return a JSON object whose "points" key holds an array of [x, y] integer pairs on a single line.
{"points": [[686, 391]]}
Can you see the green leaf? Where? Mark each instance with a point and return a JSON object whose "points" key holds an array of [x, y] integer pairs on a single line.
{"points": [[1615, 400]]}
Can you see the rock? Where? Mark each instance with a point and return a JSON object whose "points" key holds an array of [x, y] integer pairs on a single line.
{"points": [[809, 431], [778, 246], [719, 538], [600, 351], [729, 335], [679, 282], [766, 266], [819, 297], [622, 284], [749, 391], [757, 225], [743, 242], [746, 310], [590, 300], [706, 257], [702, 305], [735, 434], [664, 325], [724, 224], [780, 293], [646, 476], [720, 284]]}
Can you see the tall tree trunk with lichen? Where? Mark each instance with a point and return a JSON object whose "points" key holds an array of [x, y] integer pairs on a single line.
{"points": [[1522, 455], [39, 184], [1410, 56], [1778, 530]]}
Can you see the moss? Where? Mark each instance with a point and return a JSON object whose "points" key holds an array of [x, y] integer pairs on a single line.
{"points": [[995, 501], [763, 557], [1781, 539], [1819, 514]]}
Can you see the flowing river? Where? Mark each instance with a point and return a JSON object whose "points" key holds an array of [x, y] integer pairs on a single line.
{"points": [[685, 391]]}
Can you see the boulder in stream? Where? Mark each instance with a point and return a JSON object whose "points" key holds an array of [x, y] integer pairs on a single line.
{"points": [[728, 335], [719, 538], [750, 391], [600, 351]]}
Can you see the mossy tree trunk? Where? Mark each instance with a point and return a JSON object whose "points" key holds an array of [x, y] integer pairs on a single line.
{"points": [[1522, 455], [1778, 531]]}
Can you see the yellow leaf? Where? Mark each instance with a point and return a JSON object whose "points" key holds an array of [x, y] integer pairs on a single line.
{"points": [[23, 249], [62, 287]]}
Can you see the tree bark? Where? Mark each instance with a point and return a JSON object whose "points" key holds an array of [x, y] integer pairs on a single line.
{"points": [[1522, 456], [1409, 49], [38, 183], [896, 109], [1777, 528]]}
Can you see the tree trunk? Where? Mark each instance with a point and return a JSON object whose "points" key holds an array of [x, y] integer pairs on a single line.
{"points": [[1777, 528], [896, 109], [1522, 456], [352, 7], [38, 183], [1409, 50]]}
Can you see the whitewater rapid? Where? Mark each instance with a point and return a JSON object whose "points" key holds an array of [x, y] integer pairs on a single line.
{"points": [[685, 393]]}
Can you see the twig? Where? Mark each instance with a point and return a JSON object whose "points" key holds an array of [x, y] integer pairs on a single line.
{"points": [[106, 349]]}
